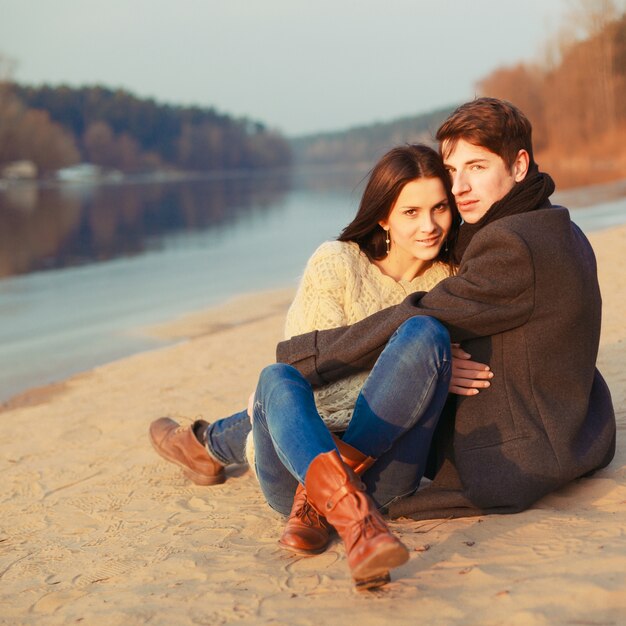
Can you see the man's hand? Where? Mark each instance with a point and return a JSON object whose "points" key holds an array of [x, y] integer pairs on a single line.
{"points": [[468, 376]]}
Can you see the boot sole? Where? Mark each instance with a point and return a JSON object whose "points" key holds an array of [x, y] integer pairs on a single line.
{"points": [[194, 477], [379, 563]]}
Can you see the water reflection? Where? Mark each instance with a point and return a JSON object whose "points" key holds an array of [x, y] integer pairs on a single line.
{"points": [[62, 226], [54, 227], [180, 247]]}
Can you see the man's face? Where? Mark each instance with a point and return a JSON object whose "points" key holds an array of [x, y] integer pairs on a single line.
{"points": [[479, 178]]}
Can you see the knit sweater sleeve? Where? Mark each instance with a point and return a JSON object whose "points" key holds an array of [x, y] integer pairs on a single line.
{"points": [[320, 298]]}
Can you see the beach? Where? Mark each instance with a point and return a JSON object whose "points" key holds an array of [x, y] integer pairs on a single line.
{"points": [[98, 529]]}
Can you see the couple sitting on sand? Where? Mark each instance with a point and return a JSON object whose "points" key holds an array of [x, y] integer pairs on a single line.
{"points": [[357, 410]]}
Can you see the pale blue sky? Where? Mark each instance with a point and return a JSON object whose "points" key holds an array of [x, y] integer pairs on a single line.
{"points": [[295, 65]]}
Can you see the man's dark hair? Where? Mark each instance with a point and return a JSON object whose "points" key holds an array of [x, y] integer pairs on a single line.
{"points": [[494, 124]]}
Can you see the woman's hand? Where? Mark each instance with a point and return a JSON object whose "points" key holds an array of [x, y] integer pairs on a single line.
{"points": [[251, 406], [468, 376]]}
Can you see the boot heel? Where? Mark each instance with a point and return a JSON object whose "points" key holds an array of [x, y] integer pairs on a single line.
{"points": [[373, 582]]}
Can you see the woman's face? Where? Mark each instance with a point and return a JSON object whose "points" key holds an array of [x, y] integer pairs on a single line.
{"points": [[419, 221]]}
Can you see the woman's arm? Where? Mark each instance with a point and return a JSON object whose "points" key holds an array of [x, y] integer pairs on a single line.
{"points": [[492, 292]]}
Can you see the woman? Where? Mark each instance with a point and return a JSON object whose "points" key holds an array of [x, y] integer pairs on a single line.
{"points": [[400, 241]]}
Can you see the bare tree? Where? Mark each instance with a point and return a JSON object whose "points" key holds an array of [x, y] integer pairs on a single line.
{"points": [[524, 86], [10, 108]]}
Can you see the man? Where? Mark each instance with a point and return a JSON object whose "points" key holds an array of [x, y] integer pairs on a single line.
{"points": [[526, 301]]}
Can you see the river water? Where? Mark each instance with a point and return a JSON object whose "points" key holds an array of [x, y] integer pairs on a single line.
{"points": [[83, 266]]}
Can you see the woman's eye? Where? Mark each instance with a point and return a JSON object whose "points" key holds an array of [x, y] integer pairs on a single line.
{"points": [[410, 212]]}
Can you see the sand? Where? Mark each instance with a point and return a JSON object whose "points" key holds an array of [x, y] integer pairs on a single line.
{"points": [[97, 529]]}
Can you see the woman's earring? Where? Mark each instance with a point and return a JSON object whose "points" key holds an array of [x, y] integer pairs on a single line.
{"points": [[446, 246], [388, 241]]}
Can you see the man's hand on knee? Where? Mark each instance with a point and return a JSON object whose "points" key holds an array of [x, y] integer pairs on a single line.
{"points": [[468, 377]]}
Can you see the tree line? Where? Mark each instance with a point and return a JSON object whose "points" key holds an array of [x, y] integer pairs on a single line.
{"points": [[366, 144], [59, 126], [575, 96]]}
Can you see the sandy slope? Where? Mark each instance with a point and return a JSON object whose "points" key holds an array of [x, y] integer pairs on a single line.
{"points": [[96, 529]]}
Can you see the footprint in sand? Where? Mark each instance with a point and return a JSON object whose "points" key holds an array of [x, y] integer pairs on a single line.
{"points": [[52, 602], [110, 569]]}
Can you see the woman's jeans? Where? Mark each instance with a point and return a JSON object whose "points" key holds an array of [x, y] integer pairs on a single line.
{"points": [[393, 421]]}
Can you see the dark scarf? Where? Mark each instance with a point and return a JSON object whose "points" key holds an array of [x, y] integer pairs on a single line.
{"points": [[528, 195]]}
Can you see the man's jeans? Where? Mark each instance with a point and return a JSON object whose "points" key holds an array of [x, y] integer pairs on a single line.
{"points": [[393, 421]]}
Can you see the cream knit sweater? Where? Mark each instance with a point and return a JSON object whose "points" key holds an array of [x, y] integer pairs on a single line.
{"points": [[341, 286]]}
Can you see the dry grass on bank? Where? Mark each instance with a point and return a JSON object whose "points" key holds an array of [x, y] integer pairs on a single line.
{"points": [[600, 161]]}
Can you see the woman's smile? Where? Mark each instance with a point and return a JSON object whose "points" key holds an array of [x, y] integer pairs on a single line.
{"points": [[429, 241]]}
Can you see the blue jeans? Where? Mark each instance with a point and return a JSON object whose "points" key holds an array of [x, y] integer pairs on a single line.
{"points": [[393, 421], [226, 438]]}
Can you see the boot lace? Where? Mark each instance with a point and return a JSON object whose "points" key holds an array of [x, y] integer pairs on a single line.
{"points": [[366, 528], [308, 515]]}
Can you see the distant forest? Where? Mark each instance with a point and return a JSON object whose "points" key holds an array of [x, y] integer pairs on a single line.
{"points": [[366, 144], [575, 96], [59, 126]]}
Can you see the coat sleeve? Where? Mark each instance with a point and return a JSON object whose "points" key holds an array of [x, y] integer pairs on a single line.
{"points": [[493, 292]]}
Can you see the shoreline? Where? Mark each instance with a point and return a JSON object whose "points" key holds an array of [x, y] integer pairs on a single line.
{"points": [[46, 350], [98, 529], [231, 313], [589, 195]]}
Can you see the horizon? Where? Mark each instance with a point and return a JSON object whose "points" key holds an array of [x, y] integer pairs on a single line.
{"points": [[298, 69]]}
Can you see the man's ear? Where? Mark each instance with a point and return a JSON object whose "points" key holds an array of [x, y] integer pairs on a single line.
{"points": [[520, 165]]}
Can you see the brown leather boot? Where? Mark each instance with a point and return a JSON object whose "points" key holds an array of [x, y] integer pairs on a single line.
{"points": [[306, 532], [334, 490], [179, 445]]}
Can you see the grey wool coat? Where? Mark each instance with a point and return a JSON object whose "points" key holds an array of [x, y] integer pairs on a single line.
{"points": [[526, 301]]}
